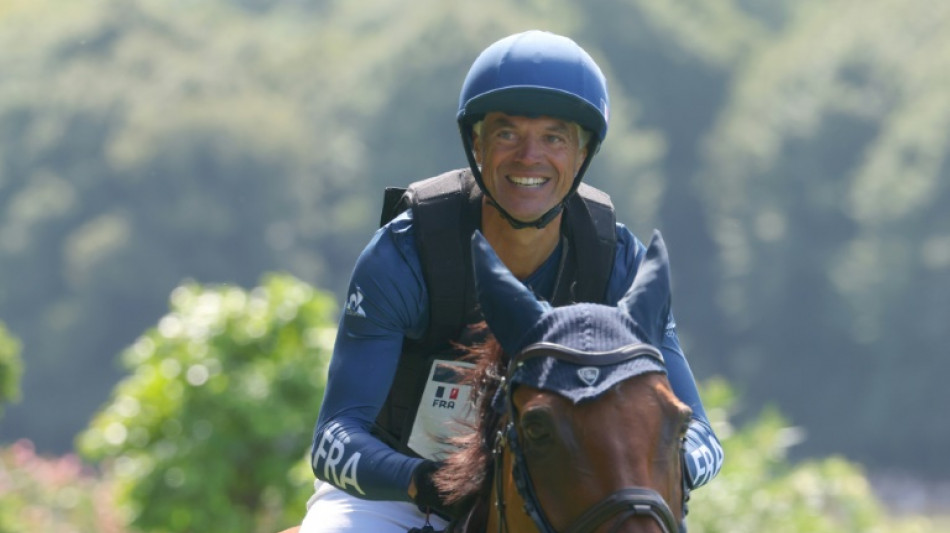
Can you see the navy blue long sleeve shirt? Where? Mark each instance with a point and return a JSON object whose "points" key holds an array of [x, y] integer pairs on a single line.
{"points": [[387, 300]]}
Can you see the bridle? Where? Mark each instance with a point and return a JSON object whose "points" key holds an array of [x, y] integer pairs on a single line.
{"points": [[623, 504]]}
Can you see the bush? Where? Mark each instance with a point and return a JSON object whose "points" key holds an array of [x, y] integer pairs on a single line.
{"points": [[210, 431], [759, 490]]}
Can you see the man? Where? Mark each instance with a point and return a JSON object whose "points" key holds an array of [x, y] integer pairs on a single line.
{"points": [[532, 113]]}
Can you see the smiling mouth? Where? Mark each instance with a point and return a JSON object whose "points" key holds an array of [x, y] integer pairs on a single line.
{"points": [[524, 181]]}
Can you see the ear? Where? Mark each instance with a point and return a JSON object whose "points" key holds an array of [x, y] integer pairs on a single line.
{"points": [[509, 308], [648, 299]]}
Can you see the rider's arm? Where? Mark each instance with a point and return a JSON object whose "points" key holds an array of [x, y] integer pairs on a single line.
{"points": [[703, 452], [386, 301]]}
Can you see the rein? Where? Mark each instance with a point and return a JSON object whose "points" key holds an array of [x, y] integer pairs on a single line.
{"points": [[625, 503]]}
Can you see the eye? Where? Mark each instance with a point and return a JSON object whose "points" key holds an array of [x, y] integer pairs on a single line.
{"points": [[537, 426], [505, 135], [555, 139]]}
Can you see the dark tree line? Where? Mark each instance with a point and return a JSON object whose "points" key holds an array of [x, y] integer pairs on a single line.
{"points": [[794, 155]]}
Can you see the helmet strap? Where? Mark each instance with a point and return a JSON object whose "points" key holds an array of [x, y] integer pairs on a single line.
{"points": [[538, 223]]}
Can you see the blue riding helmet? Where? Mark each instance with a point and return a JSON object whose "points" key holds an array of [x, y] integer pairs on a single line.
{"points": [[535, 73]]}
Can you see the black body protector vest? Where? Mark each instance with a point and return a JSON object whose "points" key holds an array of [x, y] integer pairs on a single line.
{"points": [[446, 211]]}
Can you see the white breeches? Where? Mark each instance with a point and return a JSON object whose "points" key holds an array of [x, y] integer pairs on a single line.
{"points": [[330, 510]]}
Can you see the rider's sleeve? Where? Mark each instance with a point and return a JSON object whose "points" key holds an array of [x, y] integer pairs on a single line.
{"points": [[703, 454], [386, 300]]}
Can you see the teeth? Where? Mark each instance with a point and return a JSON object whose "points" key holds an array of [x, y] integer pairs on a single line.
{"points": [[526, 181]]}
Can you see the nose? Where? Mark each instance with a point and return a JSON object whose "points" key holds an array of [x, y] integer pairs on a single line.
{"points": [[530, 150]]}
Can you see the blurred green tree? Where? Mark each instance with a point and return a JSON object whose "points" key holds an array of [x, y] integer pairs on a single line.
{"points": [[793, 152], [137, 152], [825, 180], [760, 489], [11, 367], [210, 431]]}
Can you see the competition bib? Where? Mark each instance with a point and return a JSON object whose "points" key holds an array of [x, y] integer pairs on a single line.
{"points": [[444, 410]]}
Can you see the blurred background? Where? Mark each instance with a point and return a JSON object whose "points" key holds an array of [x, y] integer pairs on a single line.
{"points": [[793, 152]]}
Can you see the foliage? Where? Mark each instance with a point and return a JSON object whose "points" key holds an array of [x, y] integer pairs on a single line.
{"points": [[759, 489], [793, 152], [210, 430], [129, 163], [11, 367], [52, 494], [825, 180]]}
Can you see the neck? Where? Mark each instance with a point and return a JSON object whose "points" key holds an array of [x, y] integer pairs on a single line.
{"points": [[521, 250]]}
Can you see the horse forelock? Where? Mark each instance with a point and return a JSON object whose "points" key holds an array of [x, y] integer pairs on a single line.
{"points": [[466, 475]]}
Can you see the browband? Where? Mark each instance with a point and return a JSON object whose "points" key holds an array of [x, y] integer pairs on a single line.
{"points": [[581, 357]]}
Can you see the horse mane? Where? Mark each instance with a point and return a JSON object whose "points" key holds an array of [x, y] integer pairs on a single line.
{"points": [[465, 479]]}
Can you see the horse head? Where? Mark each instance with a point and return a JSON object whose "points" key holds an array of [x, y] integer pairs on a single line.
{"points": [[586, 431]]}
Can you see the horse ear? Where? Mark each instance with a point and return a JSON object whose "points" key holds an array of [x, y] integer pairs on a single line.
{"points": [[509, 308], [648, 299]]}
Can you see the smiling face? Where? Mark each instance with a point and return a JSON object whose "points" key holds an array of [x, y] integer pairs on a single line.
{"points": [[528, 165]]}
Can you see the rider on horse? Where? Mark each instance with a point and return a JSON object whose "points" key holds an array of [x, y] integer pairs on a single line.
{"points": [[533, 111]]}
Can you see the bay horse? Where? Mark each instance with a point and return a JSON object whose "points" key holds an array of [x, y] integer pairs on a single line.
{"points": [[578, 429]]}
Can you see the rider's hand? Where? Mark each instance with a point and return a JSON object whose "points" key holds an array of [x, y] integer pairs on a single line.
{"points": [[425, 494]]}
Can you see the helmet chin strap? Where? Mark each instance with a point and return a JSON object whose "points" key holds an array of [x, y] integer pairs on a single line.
{"points": [[538, 223]]}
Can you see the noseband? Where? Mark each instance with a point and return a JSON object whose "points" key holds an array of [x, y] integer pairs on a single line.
{"points": [[625, 503]]}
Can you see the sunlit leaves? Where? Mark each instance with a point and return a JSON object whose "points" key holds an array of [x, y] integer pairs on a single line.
{"points": [[11, 367], [759, 489], [221, 400]]}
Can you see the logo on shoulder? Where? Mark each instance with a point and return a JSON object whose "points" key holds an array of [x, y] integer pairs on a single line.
{"points": [[353, 303], [670, 326]]}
